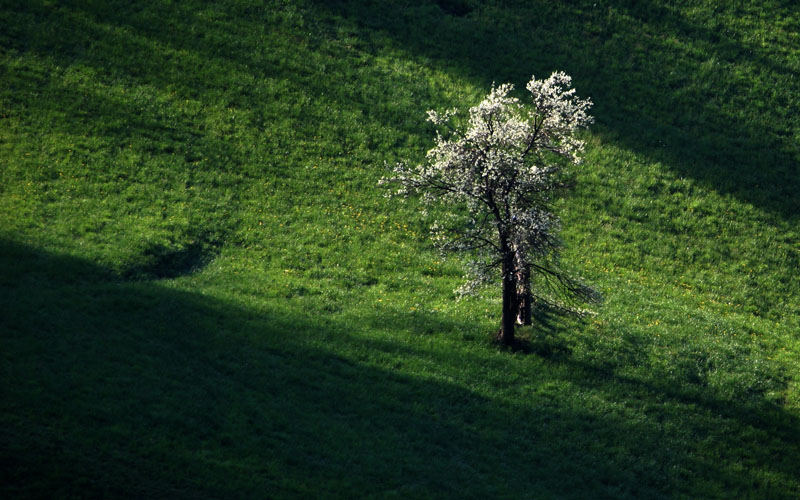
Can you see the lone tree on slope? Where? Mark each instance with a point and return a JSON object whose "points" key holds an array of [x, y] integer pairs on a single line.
{"points": [[494, 177]]}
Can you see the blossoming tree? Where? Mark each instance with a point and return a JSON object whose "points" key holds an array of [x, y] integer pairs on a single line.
{"points": [[494, 175]]}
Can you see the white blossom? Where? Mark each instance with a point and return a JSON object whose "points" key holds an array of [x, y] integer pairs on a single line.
{"points": [[494, 173]]}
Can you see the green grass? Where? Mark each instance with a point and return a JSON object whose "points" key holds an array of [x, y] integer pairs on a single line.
{"points": [[203, 293]]}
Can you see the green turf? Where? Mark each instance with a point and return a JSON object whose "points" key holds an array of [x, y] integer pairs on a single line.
{"points": [[203, 292]]}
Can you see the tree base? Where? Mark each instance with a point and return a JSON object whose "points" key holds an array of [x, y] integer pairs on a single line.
{"points": [[516, 345]]}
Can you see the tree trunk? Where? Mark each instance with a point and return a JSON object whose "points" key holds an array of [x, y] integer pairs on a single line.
{"points": [[524, 296], [508, 320]]}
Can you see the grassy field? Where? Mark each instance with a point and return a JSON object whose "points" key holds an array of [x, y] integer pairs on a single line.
{"points": [[203, 292]]}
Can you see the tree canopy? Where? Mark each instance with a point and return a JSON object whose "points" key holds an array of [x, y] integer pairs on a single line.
{"points": [[494, 175]]}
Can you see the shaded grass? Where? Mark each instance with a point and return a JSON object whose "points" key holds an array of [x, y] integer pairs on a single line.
{"points": [[182, 394]]}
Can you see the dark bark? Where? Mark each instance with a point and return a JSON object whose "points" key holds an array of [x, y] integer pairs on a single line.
{"points": [[509, 317], [524, 296]]}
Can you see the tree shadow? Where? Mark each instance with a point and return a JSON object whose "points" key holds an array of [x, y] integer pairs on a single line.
{"points": [[544, 337], [678, 397]]}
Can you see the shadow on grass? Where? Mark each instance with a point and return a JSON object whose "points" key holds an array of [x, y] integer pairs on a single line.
{"points": [[138, 389], [686, 428], [665, 86], [159, 261]]}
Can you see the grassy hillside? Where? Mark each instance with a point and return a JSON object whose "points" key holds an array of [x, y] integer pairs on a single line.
{"points": [[203, 293]]}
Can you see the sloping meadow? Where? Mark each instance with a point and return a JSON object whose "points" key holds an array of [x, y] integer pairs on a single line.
{"points": [[203, 291]]}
